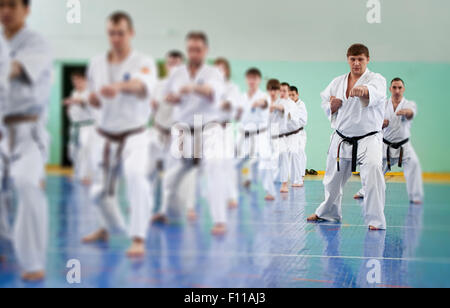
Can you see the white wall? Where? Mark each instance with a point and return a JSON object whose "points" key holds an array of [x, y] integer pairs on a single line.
{"points": [[292, 30]]}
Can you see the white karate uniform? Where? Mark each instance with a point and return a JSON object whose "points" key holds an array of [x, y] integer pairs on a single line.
{"points": [[233, 96], [283, 123], [399, 129], [29, 96], [256, 149], [356, 117], [195, 110], [297, 146], [122, 114], [82, 118]]}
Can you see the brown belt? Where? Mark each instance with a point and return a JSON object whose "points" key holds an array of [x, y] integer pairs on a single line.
{"points": [[111, 170], [288, 134], [162, 129], [18, 119]]}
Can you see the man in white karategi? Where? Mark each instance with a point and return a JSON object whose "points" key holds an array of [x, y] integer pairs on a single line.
{"points": [[254, 145], [355, 104], [228, 112], [196, 89], [298, 152], [398, 149], [82, 128], [121, 83], [25, 117]]}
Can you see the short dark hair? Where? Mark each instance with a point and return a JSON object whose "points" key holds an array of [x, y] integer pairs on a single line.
{"points": [[118, 16], [285, 84], [175, 54], [226, 63], [253, 72], [273, 84], [198, 35], [79, 72], [293, 89], [358, 49], [26, 2], [397, 79]]}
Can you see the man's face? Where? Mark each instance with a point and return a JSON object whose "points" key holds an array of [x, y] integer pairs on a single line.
{"points": [[172, 62], [397, 90], [13, 13], [224, 70], [284, 92], [253, 82], [293, 96], [196, 51], [358, 64], [120, 35]]}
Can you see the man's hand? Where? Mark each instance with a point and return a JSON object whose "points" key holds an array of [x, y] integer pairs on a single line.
{"points": [[335, 104], [260, 104], [385, 124], [408, 113], [110, 91], [16, 70], [173, 99], [154, 104], [276, 107], [226, 106], [360, 91], [188, 89], [94, 101]]}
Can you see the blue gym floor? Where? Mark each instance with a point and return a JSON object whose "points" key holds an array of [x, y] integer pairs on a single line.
{"points": [[268, 245]]}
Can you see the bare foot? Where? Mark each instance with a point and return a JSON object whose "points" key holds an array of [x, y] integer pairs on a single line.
{"points": [[160, 219], [269, 198], [219, 229], [233, 204], [372, 228], [137, 249], [2, 259], [313, 218], [98, 236], [192, 215], [33, 276], [284, 188], [298, 185], [86, 181], [417, 202], [358, 197]]}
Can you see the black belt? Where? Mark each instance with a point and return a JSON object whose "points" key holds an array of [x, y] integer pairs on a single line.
{"points": [[288, 134], [353, 141], [397, 145], [249, 134]]}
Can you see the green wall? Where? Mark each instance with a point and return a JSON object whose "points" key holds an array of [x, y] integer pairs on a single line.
{"points": [[426, 83]]}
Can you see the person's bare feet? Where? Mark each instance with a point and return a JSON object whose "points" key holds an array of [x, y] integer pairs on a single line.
{"points": [[159, 219], [86, 181], [313, 218], [219, 229], [233, 204], [247, 184], [137, 249], [417, 202], [298, 185], [2, 259], [284, 188], [372, 228], [33, 276], [358, 197], [269, 198], [192, 215], [98, 236]]}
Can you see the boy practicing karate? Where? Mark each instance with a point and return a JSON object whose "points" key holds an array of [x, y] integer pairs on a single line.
{"points": [[355, 104]]}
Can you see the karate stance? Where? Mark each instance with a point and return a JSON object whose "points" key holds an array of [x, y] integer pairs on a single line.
{"points": [[82, 122], [398, 149], [25, 117], [355, 104], [121, 83], [298, 150]]}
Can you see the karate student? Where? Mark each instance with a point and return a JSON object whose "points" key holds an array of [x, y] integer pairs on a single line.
{"points": [[196, 89], [82, 121], [298, 153], [25, 115], [284, 121], [355, 104], [121, 82], [398, 149], [230, 103], [254, 145]]}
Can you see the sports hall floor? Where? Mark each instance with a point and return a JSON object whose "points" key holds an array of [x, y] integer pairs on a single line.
{"points": [[268, 244]]}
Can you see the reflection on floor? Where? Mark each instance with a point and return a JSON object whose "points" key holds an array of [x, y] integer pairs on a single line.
{"points": [[268, 245]]}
